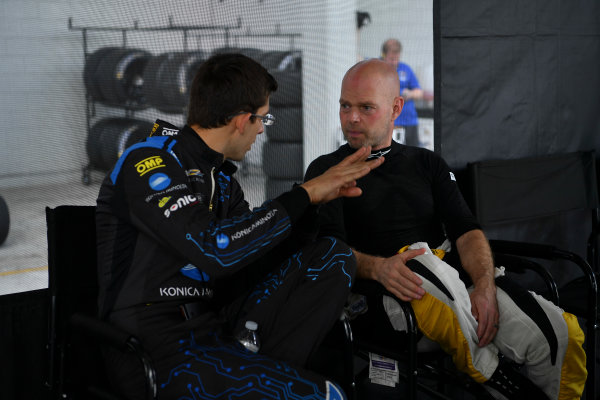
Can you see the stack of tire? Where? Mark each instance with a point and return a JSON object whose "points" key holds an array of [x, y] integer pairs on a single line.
{"points": [[283, 150], [109, 137], [168, 78], [115, 76], [134, 79]]}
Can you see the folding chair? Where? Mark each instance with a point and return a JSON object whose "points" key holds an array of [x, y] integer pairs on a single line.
{"points": [[516, 192], [375, 334], [76, 369]]}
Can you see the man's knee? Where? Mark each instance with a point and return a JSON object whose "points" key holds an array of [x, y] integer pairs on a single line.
{"points": [[330, 256]]}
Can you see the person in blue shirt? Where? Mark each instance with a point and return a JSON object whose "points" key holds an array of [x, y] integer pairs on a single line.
{"points": [[410, 90]]}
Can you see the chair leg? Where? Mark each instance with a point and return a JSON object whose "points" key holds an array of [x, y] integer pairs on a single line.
{"points": [[411, 324], [349, 358]]}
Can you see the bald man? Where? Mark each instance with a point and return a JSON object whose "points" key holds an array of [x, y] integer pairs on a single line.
{"points": [[412, 203]]}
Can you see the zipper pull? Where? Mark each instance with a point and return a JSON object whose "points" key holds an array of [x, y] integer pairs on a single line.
{"points": [[212, 189]]}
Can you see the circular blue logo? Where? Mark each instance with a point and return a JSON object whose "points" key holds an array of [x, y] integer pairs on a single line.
{"points": [[222, 241], [159, 181]]}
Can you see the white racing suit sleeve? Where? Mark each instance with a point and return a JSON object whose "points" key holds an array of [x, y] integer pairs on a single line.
{"points": [[444, 316]]}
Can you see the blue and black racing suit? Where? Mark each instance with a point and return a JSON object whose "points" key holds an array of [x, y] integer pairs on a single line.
{"points": [[184, 263]]}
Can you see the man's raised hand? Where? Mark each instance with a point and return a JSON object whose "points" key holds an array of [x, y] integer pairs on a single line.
{"points": [[340, 180]]}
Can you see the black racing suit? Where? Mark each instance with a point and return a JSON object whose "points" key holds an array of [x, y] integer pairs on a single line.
{"points": [[413, 197], [183, 263]]}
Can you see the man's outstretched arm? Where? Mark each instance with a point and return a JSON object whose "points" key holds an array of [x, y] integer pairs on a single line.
{"points": [[476, 258]]}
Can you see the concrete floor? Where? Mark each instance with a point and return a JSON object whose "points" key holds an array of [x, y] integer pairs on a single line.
{"points": [[24, 254]]}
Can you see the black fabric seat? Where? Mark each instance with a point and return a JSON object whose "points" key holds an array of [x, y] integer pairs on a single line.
{"points": [[521, 201], [76, 369]]}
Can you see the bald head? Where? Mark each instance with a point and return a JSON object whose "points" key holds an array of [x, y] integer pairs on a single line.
{"points": [[377, 73], [369, 104]]}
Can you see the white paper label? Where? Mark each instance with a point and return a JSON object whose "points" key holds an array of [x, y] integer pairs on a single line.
{"points": [[382, 370]]}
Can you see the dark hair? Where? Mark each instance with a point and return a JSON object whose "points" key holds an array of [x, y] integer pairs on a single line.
{"points": [[391, 45], [226, 84]]}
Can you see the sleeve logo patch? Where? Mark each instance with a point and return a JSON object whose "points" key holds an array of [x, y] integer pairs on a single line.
{"points": [[222, 241], [159, 181], [452, 177], [194, 273], [180, 203], [149, 164], [163, 201]]}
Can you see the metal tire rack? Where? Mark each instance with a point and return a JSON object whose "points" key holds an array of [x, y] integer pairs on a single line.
{"points": [[228, 32]]}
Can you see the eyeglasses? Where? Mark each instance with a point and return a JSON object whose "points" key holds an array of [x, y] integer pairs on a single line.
{"points": [[267, 120]]}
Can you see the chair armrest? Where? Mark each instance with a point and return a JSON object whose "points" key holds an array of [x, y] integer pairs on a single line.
{"points": [[548, 252], [519, 264], [120, 340]]}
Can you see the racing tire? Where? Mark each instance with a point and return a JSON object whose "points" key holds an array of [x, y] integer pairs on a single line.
{"points": [[4, 220], [282, 60], [154, 74], [289, 89], [288, 126], [253, 53], [119, 76], [89, 72], [177, 77], [283, 160], [108, 139]]}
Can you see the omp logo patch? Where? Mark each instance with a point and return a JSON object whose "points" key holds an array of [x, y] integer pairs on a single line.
{"points": [[159, 181], [180, 203], [163, 201], [149, 164], [222, 241]]}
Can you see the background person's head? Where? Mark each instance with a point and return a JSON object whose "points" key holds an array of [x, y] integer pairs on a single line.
{"points": [[226, 84], [369, 104], [390, 51]]}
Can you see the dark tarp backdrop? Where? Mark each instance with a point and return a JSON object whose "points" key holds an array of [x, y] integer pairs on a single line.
{"points": [[518, 78]]}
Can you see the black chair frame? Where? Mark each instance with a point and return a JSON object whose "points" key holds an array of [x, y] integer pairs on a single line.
{"points": [[76, 334]]}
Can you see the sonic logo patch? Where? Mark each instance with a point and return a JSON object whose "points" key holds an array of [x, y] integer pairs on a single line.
{"points": [[180, 203], [149, 164]]}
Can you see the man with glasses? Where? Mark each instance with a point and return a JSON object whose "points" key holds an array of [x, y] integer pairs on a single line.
{"points": [[184, 263]]}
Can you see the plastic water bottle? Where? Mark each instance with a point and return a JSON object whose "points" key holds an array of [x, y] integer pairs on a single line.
{"points": [[249, 337]]}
